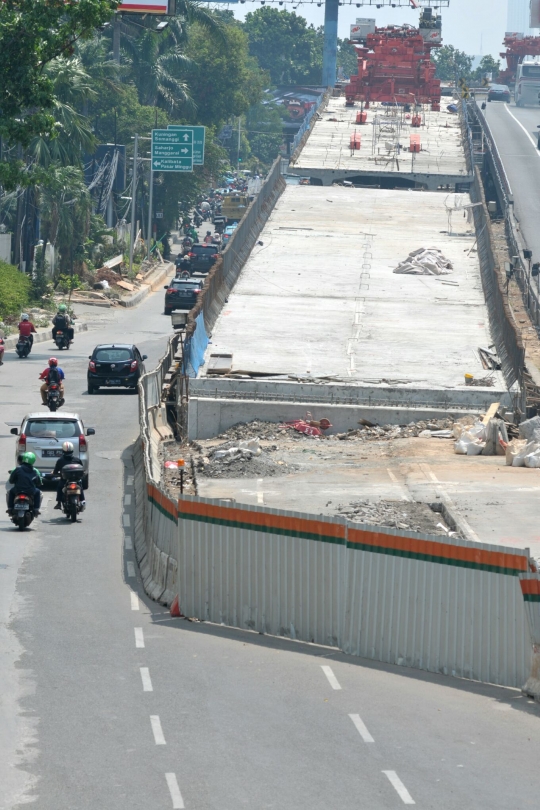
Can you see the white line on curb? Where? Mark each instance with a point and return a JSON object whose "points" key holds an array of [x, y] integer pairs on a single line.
{"points": [[130, 569], [139, 638], [146, 680], [361, 728], [128, 543], [126, 521], [399, 787], [332, 680], [174, 790], [129, 482], [157, 730], [127, 500], [134, 601]]}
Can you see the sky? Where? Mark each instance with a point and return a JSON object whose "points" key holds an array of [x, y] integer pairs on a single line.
{"points": [[474, 26]]}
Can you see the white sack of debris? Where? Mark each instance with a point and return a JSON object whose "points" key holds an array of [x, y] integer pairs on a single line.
{"points": [[470, 439], [425, 262]]}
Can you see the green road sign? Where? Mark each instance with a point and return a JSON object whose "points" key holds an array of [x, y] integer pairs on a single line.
{"points": [[172, 151], [198, 141]]}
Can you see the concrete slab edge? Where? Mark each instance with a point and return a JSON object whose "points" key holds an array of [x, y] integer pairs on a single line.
{"points": [[150, 284]]}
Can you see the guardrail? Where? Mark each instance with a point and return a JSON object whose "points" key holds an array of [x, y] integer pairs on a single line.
{"points": [[307, 125]]}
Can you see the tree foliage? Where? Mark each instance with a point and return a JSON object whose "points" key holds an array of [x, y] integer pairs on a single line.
{"points": [[14, 291], [452, 64]]}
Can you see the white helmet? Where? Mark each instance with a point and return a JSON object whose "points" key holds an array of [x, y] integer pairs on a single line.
{"points": [[24, 317], [67, 448]]}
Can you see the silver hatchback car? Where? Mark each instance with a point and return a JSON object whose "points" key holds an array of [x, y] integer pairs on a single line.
{"points": [[44, 433]]}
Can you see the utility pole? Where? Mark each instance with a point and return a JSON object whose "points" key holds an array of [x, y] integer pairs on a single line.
{"points": [[150, 202], [330, 43], [239, 136], [133, 233]]}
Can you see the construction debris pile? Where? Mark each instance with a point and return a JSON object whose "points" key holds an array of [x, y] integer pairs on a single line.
{"points": [[525, 451], [240, 459], [405, 515], [425, 262]]}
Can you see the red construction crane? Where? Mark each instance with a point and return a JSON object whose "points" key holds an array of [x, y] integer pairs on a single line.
{"points": [[517, 47]]}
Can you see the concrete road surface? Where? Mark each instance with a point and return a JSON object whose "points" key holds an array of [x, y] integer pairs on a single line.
{"points": [[109, 704], [515, 132]]}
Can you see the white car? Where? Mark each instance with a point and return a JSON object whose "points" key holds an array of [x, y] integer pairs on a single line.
{"points": [[44, 433]]}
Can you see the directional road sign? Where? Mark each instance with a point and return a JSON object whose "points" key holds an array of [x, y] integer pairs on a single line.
{"points": [[198, 141], [172, 151]]}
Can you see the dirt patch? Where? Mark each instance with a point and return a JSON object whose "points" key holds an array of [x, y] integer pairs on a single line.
{"points": [[406, 515]]}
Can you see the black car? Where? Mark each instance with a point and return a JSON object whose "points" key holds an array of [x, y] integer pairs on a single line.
{"points": [[499, 92], [115, 365], [182, 293], [202, 257]]}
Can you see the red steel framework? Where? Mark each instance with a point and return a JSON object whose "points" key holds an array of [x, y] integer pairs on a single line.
{"points": [[395, 66], [517, 47]]}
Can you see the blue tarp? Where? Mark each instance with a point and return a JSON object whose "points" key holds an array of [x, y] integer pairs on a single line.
{"points": [[195, 347]]}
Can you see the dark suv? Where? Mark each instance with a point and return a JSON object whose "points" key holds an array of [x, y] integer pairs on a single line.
{"points": [[115, 365], [182, 293], [202, 257]]}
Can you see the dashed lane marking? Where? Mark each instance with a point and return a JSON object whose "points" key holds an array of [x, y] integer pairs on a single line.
{"points": [[139, 637], [157, 731], [332, 680], [361, 728], [128, 543], [399, 787], [130, 569], [129, 482], [174, 790], [134, 601], [146, 680], [127, 500], [126, 521]]}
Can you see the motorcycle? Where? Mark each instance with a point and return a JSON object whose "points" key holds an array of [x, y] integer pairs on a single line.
{"points": [[54, 398], [62, 339], [23, 511], [72, 505], [23, 346], [197, 219]]}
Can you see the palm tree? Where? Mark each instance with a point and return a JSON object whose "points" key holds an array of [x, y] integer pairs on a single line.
{"points": [[66, 209]]}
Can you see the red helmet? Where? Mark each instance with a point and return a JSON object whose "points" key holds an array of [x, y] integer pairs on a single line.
{"points": [[53, 361]]}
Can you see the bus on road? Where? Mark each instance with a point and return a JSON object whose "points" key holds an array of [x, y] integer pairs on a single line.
{"points": [[527, 88]]}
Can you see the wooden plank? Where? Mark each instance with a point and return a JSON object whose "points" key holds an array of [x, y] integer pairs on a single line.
{"points": [[492, 410]]}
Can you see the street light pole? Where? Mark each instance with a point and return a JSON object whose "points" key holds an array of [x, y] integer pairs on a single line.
{"points": [[133, 202], [150, 203]]}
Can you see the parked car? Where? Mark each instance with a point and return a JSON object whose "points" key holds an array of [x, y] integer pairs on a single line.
{"points": [[115, 365], [499, 92], [43, 433], [182, 294], [203, 257]]}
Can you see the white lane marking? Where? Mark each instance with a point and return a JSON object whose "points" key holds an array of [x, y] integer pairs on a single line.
{"points": [[130, 569], [361, 728], [528, 134], [127, 500], [126, 521], [400, 788], [260, 494], [129, 482], [157, 730], [332, 680], [128, 543], [174, 790], [146, 680], [404, 495], [139, 637], [134, 601]]}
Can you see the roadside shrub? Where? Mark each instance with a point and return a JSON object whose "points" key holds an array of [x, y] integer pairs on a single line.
{"points": [[14, 291]]}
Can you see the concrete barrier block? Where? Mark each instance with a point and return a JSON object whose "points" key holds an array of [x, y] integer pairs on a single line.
{"points": [[171, 584]]}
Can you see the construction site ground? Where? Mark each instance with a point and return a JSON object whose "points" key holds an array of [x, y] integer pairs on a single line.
{"points": [[322, 475]]}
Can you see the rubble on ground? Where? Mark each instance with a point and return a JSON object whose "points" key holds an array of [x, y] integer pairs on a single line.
{"points": [[240, 459], [405, 515]]}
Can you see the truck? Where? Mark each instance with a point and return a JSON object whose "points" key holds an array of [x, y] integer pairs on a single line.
{"points": [[234, 206]]}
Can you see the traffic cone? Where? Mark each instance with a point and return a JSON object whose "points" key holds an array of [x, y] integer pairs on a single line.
{"points": [[175, 608]]}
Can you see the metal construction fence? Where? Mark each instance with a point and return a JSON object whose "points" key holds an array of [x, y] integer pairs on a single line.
{"points": [[301, 136], [433, 603]]}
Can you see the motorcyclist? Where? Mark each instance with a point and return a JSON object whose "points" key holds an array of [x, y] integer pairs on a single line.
{"points": [[67, 457], [62, 321], [27, 328], [208, 238], [53, 373], [2, 351], [183, 265], [25, 479]]}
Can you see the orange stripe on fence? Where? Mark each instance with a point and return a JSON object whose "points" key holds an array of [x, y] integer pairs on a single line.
{"points": [[263, 519], [530, 586], [433, 549], [162, 500]]}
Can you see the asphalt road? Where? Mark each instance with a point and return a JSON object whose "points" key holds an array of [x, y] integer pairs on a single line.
{"points": [[109, 704], [515, 132]]}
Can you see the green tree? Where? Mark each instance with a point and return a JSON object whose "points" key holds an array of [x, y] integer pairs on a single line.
{"points": [[285, 46], [264, 131], [32, 34], [66, 207], [224, 80], [347, 58], [487, 65], [452, 64], [14, 291]]}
